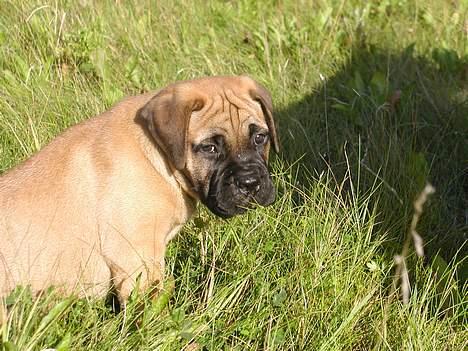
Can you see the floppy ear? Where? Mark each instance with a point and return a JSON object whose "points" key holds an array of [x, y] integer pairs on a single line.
{"points": [[260, 94], [167, 116]]}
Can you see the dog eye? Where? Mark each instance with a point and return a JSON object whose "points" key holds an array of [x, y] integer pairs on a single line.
{"points": [[209, 149], [260, 139]]}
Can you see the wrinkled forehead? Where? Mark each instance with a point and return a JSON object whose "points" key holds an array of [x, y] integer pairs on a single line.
{"points": [[226, 113]]}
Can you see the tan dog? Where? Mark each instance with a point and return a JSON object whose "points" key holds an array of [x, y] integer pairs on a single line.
{"points": [[97, 206]]}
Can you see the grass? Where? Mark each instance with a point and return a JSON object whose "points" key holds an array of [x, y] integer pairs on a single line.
{"points": [[371, 101]]}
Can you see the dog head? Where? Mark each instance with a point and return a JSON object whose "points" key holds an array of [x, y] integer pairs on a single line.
{"points": [[218, 132]]}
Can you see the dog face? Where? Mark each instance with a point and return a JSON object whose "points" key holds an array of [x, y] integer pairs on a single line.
{"points": [[218, 132]]}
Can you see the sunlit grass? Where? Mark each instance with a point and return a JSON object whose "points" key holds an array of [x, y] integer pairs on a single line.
{"points": [[371, 102]]}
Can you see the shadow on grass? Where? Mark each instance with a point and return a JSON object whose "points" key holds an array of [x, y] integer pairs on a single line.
{"points": [[398, 118]]}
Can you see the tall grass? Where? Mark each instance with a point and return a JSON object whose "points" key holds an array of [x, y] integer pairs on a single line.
{"points": [[371, 102]]}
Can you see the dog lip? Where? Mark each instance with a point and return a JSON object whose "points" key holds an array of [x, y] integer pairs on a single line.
{"points": [[218, 209], [247, 203], [223, 213]]}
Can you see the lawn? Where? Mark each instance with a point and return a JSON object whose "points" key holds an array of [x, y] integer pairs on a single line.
{"points": [[371, 100]]}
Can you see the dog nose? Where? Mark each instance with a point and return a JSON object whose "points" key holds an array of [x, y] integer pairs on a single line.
{"points": [[248, 183]]}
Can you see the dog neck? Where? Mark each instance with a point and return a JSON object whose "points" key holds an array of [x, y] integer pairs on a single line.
{"points": [[185, 184]]}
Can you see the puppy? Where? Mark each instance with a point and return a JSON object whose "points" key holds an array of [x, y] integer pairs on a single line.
{"points": [[96, 208]]}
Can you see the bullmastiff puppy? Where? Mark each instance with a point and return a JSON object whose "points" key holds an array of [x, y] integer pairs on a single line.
{"points": [[96, 208]]}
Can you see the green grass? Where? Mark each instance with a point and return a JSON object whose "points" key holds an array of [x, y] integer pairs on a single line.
{"points": [[314, 271]]}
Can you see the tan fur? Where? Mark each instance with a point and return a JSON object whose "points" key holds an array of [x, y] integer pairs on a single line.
{"points": [[99, 204]]}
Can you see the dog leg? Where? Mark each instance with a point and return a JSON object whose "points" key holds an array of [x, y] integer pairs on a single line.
{"points": [[126, 278]]}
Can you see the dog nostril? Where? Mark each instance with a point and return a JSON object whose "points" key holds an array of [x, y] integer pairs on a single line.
{"points": [[248, 183]]}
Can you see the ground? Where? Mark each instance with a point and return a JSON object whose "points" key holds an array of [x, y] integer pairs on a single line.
{"points": [[371, 103]]}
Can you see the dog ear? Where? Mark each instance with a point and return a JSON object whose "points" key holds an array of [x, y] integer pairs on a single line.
{"points": [[260, 94], [167, 117]]}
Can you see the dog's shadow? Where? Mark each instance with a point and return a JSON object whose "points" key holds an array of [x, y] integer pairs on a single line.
{"points": [[397, 118]]}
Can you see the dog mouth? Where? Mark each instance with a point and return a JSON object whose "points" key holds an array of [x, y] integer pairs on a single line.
{"points": [[235, 189]]}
